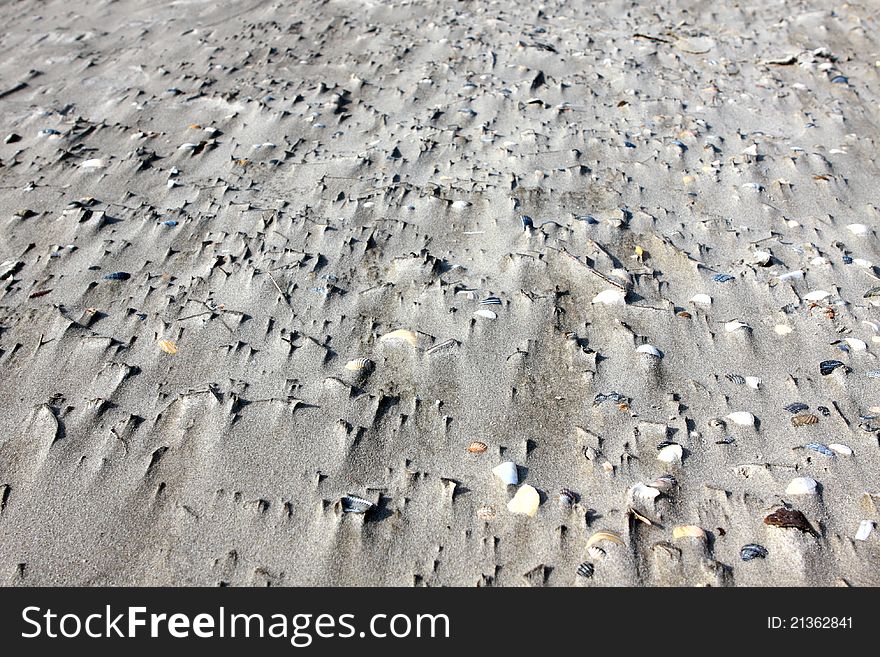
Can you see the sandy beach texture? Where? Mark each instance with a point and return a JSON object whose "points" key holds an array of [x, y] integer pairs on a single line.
{"points": [[612, 242]]}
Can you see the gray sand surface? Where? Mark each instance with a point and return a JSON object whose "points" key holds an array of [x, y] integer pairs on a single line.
{"points": [[339, 170]]}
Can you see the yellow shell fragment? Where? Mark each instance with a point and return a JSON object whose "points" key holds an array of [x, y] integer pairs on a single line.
{"points": [[689, 531], [167, 346], [603, 535], [526, 501], [401, 335]]}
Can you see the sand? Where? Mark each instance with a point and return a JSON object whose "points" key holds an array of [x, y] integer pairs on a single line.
{"points": [[340, 170]]}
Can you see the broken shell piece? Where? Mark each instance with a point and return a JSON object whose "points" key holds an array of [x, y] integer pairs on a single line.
{"points": [[761, 258], [735, 325], [477, 447], [865, 529], [96, 163], [401, 335], [359, 365], [702, 299], [603, 535], [167, 346], [525, 502], [858, 229], [841, 449], [855, 344], [486, 314], [595, 552], [650, 350], [802, 486], [688, 531], [507, 473], [817, 295], [782, 329], [671, 454], [610, 297], [742, 418], [753, 382], [664, 483], [355, 504], [790, 518]]}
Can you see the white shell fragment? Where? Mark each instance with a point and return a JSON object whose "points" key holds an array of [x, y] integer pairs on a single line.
{"points": [[843, 450], [611, 297], [702, 299], [96, 163], [507, 473], [735, 325], [855, 344], [753, 382], [802, 486], [858, 229], [742, 418], [817, 295], [525, 502], [864, 530], [651, 350], [782, 329], [401, 335], [486, 314], [670, 454]]}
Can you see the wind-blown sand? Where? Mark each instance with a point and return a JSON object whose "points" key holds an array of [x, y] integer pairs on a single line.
{"points": [[340, 170]]}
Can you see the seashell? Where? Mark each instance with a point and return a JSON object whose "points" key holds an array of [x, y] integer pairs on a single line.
{"points": [[753, 382], [525, 502], [873, 293], [664, 483], [359, 365], [716, 422], [401, 335], [702, 299], [596, 552], [615, 397], [651, 350], [782, 329], [671, 454], [735, 378], [355, 504], [604, 535], [167, 346], [526, 221], [855, 344], [507, 473], [796, 407], [117, 276], [735, 325], [819, 447], [858, 229], [688, 531], [441, 346], [96, 163], [840, 449], [802, 486], [817, 295], [169, 222], [585, 570], [723, 278], [790, 519], [761, 258], [477, 447], [460, 205], [487, 314], [752, 551], [610, 297], [741, 418], [567, 497], [486, 513], [804, 419], [826, 367], [490, 301], [864, 530]]}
